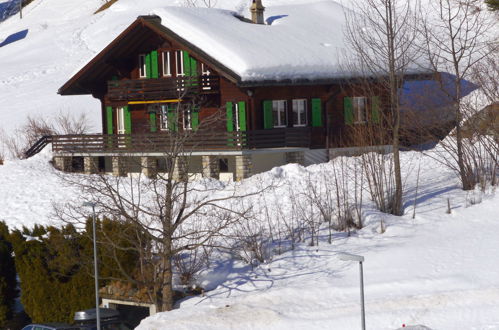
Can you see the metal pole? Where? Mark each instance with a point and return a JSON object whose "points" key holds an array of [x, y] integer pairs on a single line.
{"points": [[363, 313], [96, 272], [21, 9]]}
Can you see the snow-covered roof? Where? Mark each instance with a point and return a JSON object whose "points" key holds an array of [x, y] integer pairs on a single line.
{"points": [[304, 41]]}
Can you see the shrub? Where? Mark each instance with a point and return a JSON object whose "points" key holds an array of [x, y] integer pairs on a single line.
{"points": [[55, 267], [8, 282]]}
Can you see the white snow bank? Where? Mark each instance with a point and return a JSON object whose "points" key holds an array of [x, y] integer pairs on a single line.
{"points": [[437, 270]]}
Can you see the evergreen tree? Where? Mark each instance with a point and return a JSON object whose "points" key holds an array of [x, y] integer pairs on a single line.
{"points": [[492, 4], [8, 282], [54, 283], [55, 267]]}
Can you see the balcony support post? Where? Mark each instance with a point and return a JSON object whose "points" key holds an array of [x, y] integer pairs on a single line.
{"points": [[149, 166], [297, 157], [180, 169], [211, 168], [63, 163], [244, 164], [119, 166], [90, 165]]}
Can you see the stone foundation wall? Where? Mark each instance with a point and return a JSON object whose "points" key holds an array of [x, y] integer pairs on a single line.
{"points": [[244, 165], [211, 167]]}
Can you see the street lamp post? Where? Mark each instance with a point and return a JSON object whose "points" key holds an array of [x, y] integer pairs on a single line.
{"points": [[360, 259], [96, 269]]}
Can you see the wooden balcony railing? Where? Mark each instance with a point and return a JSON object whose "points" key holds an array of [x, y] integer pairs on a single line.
{"points": [[184, 141], [161, 88]]}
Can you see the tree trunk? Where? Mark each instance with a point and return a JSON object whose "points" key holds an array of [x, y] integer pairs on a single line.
{"points": [[167, 290]]}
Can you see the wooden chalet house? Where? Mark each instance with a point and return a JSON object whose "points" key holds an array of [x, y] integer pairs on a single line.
{"points": [[277, 87]]}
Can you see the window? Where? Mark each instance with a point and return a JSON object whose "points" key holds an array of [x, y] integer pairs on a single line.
{"points": [[235, 117], [359, 109], [163, 125], [120, 117], [187, 118], [167, 68], [179, 59], [299, 112], [142, 66], [279, 108]]}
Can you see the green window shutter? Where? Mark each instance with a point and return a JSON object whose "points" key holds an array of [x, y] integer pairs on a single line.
{"points": [[316, 113], [375, 109], [348, 110], [195, 118], [268, 121], [109, 120], [152, 120], [148, 65], [230, 117], [194, 67], [187, 63], [172, 118], [128, 120], [242, 116], [154, 64]]}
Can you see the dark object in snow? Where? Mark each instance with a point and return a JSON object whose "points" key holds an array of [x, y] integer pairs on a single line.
{"points": [[8, 9], [271, 19], [14, 37]]}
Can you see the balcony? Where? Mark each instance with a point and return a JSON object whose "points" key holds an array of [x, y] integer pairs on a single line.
{"points": [[186, 142], [162, 88]]}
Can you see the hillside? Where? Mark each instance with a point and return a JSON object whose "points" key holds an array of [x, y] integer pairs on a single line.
{"points": [[55, 38], [436, 269]]}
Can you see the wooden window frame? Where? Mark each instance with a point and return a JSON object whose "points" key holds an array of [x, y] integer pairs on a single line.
{"points": [[179, 63], [294, 103], [163, 122], [142, 66], [120, 120], [166, 66], [276, 110], [187, 118], [357, 110]]}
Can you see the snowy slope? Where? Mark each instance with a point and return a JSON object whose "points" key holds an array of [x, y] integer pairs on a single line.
{"points": [[62, 36], [439, 270]]}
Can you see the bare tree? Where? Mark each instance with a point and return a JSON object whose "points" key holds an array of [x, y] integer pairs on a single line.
{"points": [[456, 35], [381, 34], [23, 137], [170, 214]]}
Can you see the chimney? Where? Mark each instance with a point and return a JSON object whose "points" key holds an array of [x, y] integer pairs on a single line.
{"points": [[257, 10]]}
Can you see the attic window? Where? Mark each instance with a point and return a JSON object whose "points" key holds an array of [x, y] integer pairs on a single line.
{"points": [[142, 66], [167, 70], [179, 59]]}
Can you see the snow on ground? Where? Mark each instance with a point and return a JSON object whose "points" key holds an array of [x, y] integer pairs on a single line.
{"points": [[439, 270]]}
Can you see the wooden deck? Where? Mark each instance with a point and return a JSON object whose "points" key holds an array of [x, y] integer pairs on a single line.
{"points": [[162, 88], [191, 141]]}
